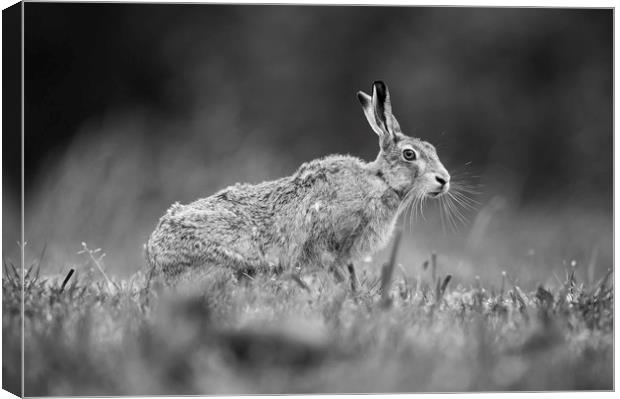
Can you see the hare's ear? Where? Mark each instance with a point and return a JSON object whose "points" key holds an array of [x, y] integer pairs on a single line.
{"points": [[378, 111], [383, 107]]}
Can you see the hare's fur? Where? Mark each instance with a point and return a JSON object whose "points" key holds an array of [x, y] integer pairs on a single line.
{"points": [[329, 213]]}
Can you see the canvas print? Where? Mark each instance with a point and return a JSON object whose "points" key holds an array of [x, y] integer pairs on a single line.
{"points": [[284, 199]]}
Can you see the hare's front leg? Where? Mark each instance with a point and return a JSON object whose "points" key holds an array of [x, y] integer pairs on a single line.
{"points": [[336, 270], [352, 277]]}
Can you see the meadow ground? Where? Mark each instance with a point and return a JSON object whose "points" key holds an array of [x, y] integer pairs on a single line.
{"points": [[213, 334]]}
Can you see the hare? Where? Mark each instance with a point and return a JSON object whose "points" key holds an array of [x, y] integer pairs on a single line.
{"points": [[330, 213]]}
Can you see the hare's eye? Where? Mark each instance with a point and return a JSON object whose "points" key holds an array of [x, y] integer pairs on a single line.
{"points": [[409, 154]]}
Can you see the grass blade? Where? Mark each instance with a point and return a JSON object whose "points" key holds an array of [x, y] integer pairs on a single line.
{"points": [[66, 280]]}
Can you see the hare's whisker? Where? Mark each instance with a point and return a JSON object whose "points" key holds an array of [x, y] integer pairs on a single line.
{"points": [[413, 209], [465, 201], [464, 194], [416, 206], [457, 211], [451, 214], [461, 198], [422, 205], [441, 213], [409, 210], [403, 204], [406, 208], [465, 188], [411, 215]]}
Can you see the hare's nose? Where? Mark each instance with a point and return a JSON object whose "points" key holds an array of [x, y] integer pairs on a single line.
{"points": [[441, 180]]}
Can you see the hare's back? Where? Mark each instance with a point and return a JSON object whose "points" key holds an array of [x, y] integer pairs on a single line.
{"points": [[182, 225], [337, 181], [332, 193]]}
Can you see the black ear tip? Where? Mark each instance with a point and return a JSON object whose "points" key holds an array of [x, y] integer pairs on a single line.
{"points": [[381, 88], [380, 85]]}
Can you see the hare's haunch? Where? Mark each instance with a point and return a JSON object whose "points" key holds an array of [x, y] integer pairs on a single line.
{"points": [[329, 213]]}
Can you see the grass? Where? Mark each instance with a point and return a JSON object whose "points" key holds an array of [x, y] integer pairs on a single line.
{"points": [[212, 334]]}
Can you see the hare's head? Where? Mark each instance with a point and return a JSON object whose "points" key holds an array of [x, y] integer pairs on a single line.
{"points": [[407, 164]]}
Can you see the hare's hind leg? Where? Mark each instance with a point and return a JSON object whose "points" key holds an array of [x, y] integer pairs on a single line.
{"points": [[243, 265], [177, 259]]}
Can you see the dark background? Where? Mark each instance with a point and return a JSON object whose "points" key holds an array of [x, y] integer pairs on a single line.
{"points": [[131, 107]]}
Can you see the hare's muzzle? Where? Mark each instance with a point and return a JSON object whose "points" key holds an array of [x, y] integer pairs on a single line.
{"points": [[443, 181]]}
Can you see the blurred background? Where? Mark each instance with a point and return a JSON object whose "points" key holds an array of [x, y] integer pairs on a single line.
{"points": [[130, 107]]}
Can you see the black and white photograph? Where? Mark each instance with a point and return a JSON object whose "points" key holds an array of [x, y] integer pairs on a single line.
{"points": [[291, 199]]}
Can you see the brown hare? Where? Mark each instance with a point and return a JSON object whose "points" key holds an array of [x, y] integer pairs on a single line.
{"points": [[330, 213]]}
